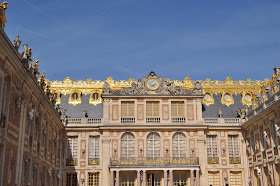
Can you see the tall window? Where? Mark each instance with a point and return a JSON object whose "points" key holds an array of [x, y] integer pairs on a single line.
{"points": [[93, 147], [262, 138], [253, 142], [153, 145], [93, 179], [177, 109], [127, 145], [212, 148], [4, 94], [179, 145], [152, 109], [73, 147], [71, 179], [235, 178], [274, 135], [127, 109], [214, 178], [233, 147]]}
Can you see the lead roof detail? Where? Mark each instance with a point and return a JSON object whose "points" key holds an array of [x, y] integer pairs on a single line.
{"points": [[153, 85]]}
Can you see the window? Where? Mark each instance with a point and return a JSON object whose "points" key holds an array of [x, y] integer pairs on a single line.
{"points": [[262, 138], [247, 97], [233, 147], [127, 145], [179, 145], [127, 109], [93, 179], [212, 148], [4, 94], [152, 109], [235, 178], [71, 179], [95, 96], [274, 134], [153, 145], [214, 178], [207, 97], [93, 147], [73, 147], [127, 179], [253, 142], [180, 179], [227, 97], [75, 96], [177, 109]]}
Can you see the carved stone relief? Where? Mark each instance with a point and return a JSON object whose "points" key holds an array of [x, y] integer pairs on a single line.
{"points": [[140, 113], [115, 112], [165, 112], [190, 112]]}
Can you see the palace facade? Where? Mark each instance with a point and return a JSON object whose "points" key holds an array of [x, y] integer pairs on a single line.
{"points": [[147, 132]]}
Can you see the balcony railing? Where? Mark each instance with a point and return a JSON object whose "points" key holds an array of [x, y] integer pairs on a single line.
{"points": [[94, 120], [78, 121], [153, 162], [235, 160], [71, 162], [222, 121], [93, 161], [152, 120], [178, 120], [127, 120], [213, 160]]}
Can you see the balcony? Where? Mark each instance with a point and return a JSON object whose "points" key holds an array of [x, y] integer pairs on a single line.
{"points": [[178, 120], [127, 120], [213, 160], [71, 162], [83, 121], [222, 121], [235, 160], [154, 162], [152, 120], [93, 161]]}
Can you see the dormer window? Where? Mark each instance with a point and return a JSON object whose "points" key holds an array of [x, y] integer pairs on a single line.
{"points": [[95, 96], [75, 96], [227, 97]]}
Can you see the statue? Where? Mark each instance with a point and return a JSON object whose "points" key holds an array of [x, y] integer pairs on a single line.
{"points": [[277, 129], [62, 115], [35, 72], [42, 81], [259, 171], [275, 87], [85, 112], [106, 88], [220, 113], [3, 7], [197, 87], [26, 56], [17, 42], [242, 112]]}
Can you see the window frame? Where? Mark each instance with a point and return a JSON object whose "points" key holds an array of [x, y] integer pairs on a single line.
{"points": [[231, 140], [93, 178], [211, 144], [177, 109], [127, 115], [125, 138], [153, 145], [184, 149], [96, 142], [152, 109]]}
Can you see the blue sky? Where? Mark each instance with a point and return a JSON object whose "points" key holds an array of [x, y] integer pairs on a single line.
{"points": [[128, 38]]}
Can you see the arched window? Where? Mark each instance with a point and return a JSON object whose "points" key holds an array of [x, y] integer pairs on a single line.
{"points": [[153, 145], [75, 96], [95, 96], [127, 145], [179, 145]]}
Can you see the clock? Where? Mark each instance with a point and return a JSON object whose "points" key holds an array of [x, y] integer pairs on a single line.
{"points": [[152, 84]]}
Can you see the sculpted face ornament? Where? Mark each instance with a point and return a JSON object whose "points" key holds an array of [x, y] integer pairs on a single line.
{"points": [[152, 84]]}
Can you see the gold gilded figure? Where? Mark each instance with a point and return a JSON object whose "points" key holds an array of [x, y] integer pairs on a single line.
{"points": [[3, 7]]}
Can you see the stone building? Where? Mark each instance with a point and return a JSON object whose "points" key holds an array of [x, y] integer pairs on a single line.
{"points": [[147, 132], [30, 128]]}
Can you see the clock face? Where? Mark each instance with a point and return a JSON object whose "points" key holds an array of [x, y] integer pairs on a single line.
{"points": [[152, 84]]}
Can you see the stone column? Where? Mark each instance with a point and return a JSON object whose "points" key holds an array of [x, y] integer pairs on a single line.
{"points": [[117, 178], [105, 161], [144, 178], [112, 178], [138, 178], [197, 178], [192, 178], [170, 178], [165, 178]]}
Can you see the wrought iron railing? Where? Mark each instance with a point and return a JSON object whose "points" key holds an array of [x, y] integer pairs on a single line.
{"points": [[178, 120], [71, 162], [234, 160], [152, 120], [93, 161], [213, 160], [154, 162], [127, 120]]}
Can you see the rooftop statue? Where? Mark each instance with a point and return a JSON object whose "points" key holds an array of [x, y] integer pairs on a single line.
{"points": [[17, 42], [26, 56], [3, 7]]}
